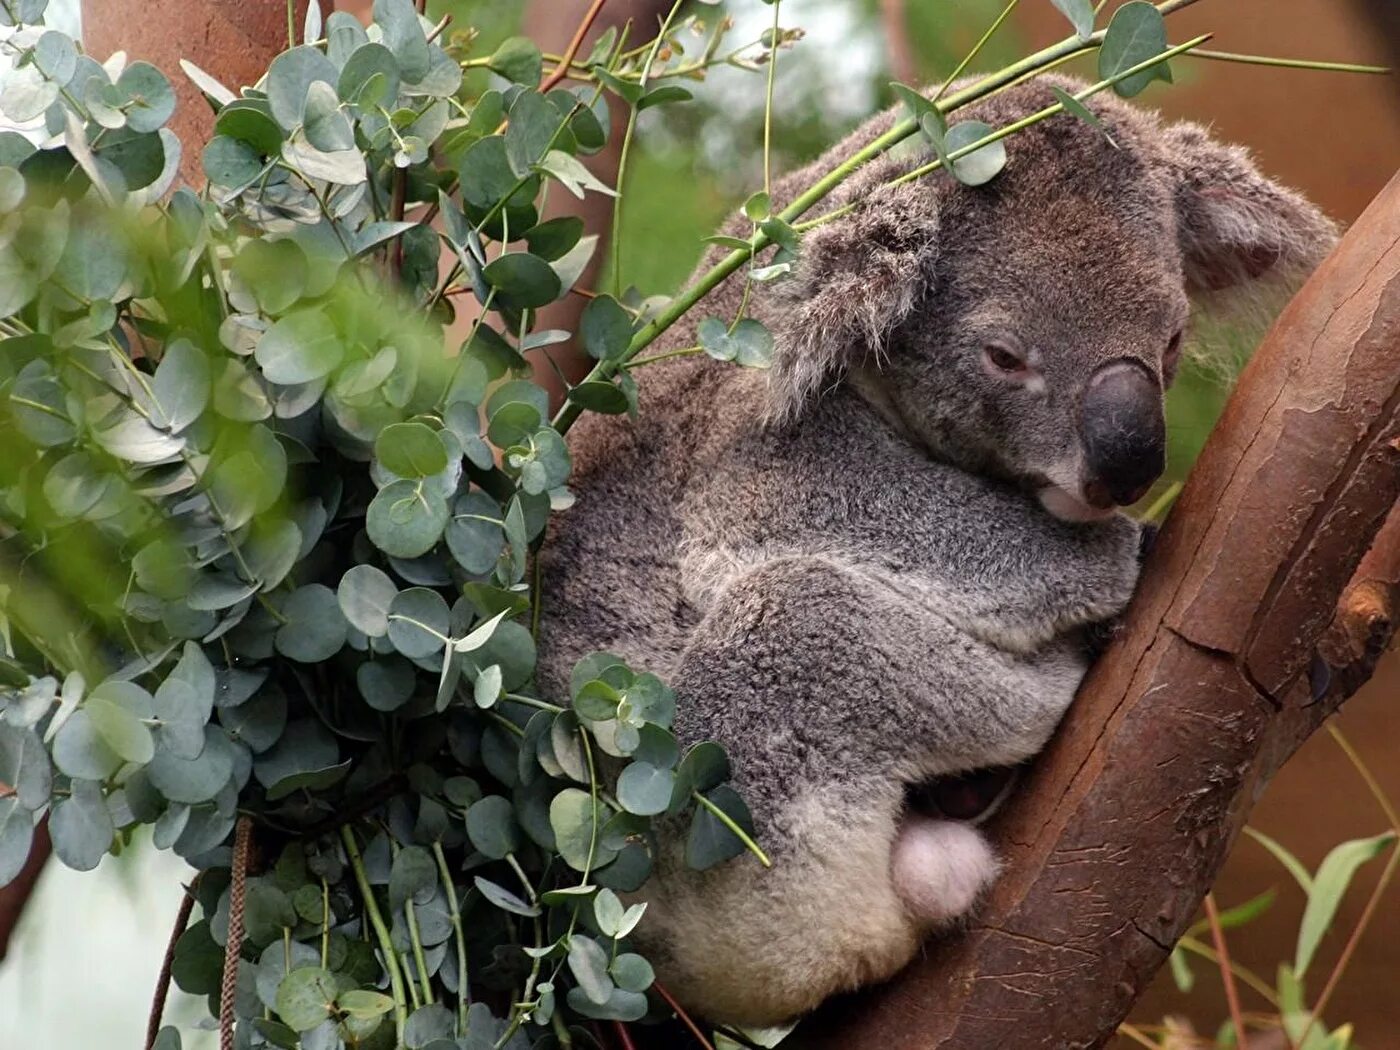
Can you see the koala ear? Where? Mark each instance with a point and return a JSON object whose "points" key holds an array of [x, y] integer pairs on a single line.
{"points": [[855, 279], [1235, 226]]}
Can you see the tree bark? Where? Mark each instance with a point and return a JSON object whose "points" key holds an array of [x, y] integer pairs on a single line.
{"points": [[233, 40], [1255, 618]]}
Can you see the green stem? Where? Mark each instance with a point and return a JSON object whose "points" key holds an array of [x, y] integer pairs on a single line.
{"points": [[713, 277], [417, 943], [615, 242], [739, 833], [381, 931], [455, 916], [1290, 63], [325, 923], [684, 351], [976, 49], [291, 26], [768, 103]]}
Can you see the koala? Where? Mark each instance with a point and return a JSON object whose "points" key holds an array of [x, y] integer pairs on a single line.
{"points": [[869, 570]]}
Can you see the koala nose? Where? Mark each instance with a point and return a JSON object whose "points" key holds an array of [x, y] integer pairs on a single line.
{"points": [[1124, 434]]}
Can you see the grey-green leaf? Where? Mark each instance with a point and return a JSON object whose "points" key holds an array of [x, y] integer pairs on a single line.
{"points": [[365, 594], [1333, 877], [645, 789], [1080, 14], [24, 765], [81, 826], [315, 628], [406, 518], [1136, 33]]}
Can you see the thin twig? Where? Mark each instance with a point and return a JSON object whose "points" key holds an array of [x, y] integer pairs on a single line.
{"points": [[685, 1017], [182, 919], [623, 1036], [976, 49], [567, 59], [1292, 63], [1227, 976]]}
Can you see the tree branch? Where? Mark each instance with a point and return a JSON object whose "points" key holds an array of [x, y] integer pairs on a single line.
{"points": [[1256, 617]]}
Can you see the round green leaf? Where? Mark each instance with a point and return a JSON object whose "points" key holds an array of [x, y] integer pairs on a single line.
{"points": [[81, 826], [192, 781], [180, 387], [24, 765], [710, 841], [275, 271], [151, 100], [645, 789], [525, 280], [491, 827], [474, 535], [1136, 32], [369, 77], [981, 165], [80, 751], [418, 622], [230, 163], [386, 683], [365, 594], [16, 836], [410, 450], [305, 754], [290, 77], [412, 877], [299, 348], [117, 710], [406, 518], [306, 997], [315, 629]]}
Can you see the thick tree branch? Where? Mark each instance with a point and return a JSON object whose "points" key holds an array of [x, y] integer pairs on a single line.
{"points": [[1255, 618]]}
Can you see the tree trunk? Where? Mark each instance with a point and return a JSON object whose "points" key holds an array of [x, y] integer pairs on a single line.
{"points": [[232, 40], [1256, 617]]}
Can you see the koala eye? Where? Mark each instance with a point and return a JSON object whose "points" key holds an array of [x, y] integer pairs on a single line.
{"points": [[1003, 359]]}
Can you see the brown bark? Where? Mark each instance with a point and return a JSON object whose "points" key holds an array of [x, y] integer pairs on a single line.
{"points": [[15, 895], [1256, 617], [233, 40]]}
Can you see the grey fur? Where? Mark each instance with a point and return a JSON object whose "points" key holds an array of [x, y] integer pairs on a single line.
{"points": [[851, 584]]}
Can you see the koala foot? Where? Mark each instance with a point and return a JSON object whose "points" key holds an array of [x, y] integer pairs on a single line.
{"points": [[940, 867]]}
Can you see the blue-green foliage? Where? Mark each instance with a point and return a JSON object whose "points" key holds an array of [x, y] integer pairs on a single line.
{"points": [[265, 548]]}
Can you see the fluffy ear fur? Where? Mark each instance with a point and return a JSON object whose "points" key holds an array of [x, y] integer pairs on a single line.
{"points": [[1235, 225], [855, 280], [1246, 242]]}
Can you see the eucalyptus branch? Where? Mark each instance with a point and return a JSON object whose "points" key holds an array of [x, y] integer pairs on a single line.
{"points": [[615, 241], [712, 278], [1290, 63], [381, 931], [459, 938]]}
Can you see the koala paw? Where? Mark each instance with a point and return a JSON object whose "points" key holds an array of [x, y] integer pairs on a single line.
{"points": [[941, 867]]}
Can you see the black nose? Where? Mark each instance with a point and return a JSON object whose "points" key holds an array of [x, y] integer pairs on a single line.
{"points": [[1123, 432]]}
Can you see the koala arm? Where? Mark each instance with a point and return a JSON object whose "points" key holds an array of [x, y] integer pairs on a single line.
{"points": [[843, 486]]}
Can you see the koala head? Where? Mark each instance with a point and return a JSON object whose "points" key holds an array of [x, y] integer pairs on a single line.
{"points": [[1029, 327]]}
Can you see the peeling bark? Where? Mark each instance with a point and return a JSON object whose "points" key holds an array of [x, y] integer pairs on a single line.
{"points": [[233, 40], [1257, 615]]}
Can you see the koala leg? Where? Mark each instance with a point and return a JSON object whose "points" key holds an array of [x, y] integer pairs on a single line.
{"points": [[832, 694]]}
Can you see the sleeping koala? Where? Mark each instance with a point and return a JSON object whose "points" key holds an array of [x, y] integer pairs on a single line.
{"points": [[869, 571]]}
